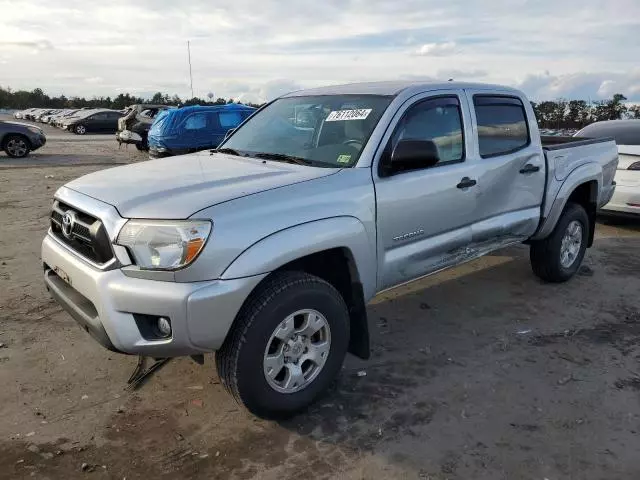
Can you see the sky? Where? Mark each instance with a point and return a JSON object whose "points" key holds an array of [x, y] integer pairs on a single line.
{"points": [[255, 50]]}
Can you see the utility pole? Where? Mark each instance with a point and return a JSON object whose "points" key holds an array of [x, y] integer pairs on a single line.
{"points": [[190, 73]]}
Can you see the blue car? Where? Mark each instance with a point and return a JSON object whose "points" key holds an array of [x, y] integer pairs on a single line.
{"points": [[189, 129]]}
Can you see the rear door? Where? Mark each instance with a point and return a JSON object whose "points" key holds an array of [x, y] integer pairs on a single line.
{"points": [[512, 178], [98, 122], [195, 131]]}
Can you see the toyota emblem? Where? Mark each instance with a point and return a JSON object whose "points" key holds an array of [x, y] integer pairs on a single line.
{"points": [[68, 222]]}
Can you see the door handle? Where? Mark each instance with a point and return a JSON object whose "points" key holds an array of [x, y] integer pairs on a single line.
{"points": [[528, 168], [466, 182]]}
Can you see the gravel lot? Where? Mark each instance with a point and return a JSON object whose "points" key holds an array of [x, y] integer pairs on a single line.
{"points": [[478, 372]]}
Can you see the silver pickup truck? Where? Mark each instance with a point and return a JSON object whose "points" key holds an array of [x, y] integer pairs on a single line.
{"points": [[268, 249]]}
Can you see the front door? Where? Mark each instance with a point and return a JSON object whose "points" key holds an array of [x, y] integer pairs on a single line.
{"points": [[424, 216], [512, 178]]}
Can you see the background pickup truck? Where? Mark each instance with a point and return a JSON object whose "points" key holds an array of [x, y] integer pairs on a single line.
{"points": [[267, 250]]}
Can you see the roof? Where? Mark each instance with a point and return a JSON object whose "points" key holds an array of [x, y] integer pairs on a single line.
{"points": [[392, 88], [228, 106]]}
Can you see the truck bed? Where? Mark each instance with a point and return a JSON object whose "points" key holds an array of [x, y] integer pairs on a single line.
{"points": [[550, 142]]}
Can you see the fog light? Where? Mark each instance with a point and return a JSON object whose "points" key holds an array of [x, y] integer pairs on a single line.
{"points": [[164, 326]]}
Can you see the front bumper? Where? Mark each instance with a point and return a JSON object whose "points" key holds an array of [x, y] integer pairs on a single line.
{"points": [[129, 137], [37, 141], [154, 153], [626, 199], [104, 304]]}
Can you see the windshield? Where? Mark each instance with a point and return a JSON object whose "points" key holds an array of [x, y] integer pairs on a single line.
{"points": [[324, 131]]}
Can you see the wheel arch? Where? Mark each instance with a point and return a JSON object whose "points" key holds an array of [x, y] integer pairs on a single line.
{"points": [[341, 255], [583, 187], [5, 138]]}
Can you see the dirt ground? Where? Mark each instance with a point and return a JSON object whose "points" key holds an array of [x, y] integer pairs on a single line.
{"points": [[481, 372]]}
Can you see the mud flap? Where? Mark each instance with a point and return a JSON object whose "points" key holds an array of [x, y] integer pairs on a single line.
{"points": [[359, 344]]}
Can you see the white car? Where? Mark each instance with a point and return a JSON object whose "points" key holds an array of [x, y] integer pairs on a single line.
{"points": [[626, 199]]}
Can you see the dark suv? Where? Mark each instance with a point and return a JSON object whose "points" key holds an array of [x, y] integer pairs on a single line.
{"points": [[18, 139]]}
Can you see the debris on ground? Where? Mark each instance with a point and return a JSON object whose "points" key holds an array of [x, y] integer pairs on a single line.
{"points": [[567, 379], [3, 345], [197, 402], [87, 467], [361, 373], [524, 332], [85, 397], [49, 176]]}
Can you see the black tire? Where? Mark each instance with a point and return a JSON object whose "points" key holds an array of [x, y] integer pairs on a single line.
{"points": [[240, 360], [16, 146], [79, 129], [545, 255], [143, 146]]}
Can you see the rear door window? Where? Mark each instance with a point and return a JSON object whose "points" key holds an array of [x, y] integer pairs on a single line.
{"points": [[502, 125], [196, 121]]}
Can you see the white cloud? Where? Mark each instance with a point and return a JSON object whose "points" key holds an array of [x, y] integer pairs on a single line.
{"points": [[254, 50], [436, 49]]}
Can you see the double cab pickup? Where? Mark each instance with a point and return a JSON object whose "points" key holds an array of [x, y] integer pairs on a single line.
{"points": [[267, 249]]}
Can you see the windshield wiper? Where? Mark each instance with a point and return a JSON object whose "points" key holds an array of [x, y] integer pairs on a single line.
{"points": [[230, 151], [281, 157]]}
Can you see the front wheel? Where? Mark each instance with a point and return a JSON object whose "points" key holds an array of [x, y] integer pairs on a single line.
{"points": [[80, 129], [558, 257], [286, 345], [17, 146]]}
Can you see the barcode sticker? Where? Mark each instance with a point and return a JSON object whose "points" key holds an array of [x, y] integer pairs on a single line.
{"points": [[341, 115]]}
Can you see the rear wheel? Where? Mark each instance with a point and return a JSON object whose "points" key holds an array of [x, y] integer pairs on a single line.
{"points": [[286, 346], [17, 146], [559, 256]]}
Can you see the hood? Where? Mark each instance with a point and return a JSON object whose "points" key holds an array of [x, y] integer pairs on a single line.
{"points": [[177, 187], [22, 124]]}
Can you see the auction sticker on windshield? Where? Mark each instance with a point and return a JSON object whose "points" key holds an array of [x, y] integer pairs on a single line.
{"points": [[340, 115]]}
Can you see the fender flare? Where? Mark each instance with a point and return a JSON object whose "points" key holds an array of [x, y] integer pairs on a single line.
{"points": [[583, 174], [284, 246]]}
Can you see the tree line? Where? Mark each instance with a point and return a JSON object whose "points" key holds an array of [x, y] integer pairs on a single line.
{"points": [[558, 114], [22, 99], [561, 114]]}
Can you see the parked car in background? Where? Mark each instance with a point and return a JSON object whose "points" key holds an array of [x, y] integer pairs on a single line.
{"points": [[267, 250], [46, 117], [54, 119], [134, 126], [100, 121], [190, 129], [20, 114], [18, 139], [33, 113], [626, 133]]}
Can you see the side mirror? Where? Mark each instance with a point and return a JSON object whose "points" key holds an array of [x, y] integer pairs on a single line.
{"points": [[229, 132], [413, 155]]}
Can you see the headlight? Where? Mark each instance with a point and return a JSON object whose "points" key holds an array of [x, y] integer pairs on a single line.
{"points": [[35, 130], [164, 244]]}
